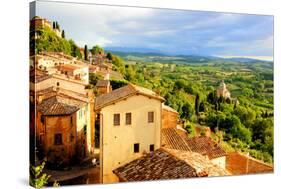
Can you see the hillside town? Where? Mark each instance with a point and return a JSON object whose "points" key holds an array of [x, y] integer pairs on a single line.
{"points": [[115, 135]]}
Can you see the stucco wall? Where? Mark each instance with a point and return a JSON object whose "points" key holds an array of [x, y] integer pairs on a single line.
{"points": [[238, 164], [84, 141], [63, 83], [55, 125], [118, 141], [81, 145]]}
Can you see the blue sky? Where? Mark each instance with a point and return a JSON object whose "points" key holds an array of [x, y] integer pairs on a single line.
{"points": [[161, 30]]}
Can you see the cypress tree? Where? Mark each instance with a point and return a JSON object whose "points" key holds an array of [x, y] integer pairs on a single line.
{"points": [[197, 104], [86, 52], [62, 34]]}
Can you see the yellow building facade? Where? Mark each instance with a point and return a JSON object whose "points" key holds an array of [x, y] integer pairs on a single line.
{"points": [[129, 128]]}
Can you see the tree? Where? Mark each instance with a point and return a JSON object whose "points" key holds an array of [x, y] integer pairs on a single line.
{"points": [[109, 56], [38, 179], [119, 64], [54, 25], [47, 40], [130, 73], [202, 107], [211, 98], [86, 52], [187, 110], [62, 34], [197, 103], [57, 26], [75, 51], [97, 50]]}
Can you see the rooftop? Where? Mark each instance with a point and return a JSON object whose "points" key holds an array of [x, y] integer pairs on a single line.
{"points": [[173, 138], [103, 83], [157, 165], [199, 163], [205, 146], [60, 105], [71, 66], [123, 93]]}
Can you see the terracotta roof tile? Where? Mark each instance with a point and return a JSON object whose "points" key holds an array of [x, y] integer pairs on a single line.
{"points": [[155, 166], [205, 146], [59, 105], [172, 139], [122, 93], [202, 165]]}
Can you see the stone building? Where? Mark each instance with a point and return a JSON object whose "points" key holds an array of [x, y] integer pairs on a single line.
{"points": [[222, 91], [169, 117], [238, 163], [63, 127], [130, 123], [61, 117], [37, 21], [75, 71]]}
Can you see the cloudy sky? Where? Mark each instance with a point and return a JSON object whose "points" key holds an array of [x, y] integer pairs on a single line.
{"points": [[161, 30]]}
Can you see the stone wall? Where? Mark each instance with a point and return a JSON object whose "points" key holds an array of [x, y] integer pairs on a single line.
{"points": [[237, 163], [169, 118]]}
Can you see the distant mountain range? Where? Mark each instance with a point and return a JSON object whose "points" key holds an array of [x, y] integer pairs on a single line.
{"points": [[143, 54]]}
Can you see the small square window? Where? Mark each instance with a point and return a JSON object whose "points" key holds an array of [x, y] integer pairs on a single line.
{"points": [[150, 117], [58, 139], [58, 84], [151, 147], [136, 147], [128, 118], [116, 119]]}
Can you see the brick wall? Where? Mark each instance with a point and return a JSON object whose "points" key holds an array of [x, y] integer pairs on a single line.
{"points": [[236, 163], [169, 119]]}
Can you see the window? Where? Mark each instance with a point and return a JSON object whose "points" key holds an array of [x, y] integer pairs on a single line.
{"points": [[58, 84], [116, 119], [136, 147], [151, 147], [42, 119], [150, 117], [128, 118], [58, 139]]}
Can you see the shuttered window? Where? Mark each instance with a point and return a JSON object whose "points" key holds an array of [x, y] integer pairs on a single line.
{"points": [[116, 119], [58, 139], [128, 118], [150, 117]]}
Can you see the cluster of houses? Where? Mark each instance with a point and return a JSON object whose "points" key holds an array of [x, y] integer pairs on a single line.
{"points": [[131, 123], [135, 134]]}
